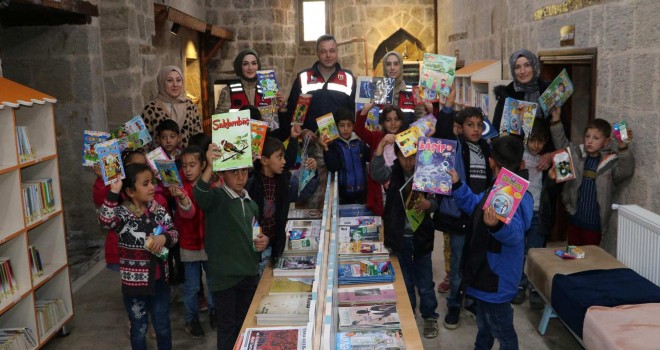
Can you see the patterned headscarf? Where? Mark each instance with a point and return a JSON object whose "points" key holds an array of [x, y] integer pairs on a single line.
{"points": [[176, 107], [238, 63]]}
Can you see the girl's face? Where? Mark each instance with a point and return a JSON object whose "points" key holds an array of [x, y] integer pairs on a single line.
{"points": [[392, 123], [523, 70], [144, 189], [191, 166], [249, 66], [392, 66], [173, 84], [535, 146]]}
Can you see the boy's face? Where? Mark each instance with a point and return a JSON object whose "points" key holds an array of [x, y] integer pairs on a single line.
{"points": [[594, 141], [535, 146], [169, 140], [235, 179], [472, 129], [345, 129], [274, 163], [407, 163]]}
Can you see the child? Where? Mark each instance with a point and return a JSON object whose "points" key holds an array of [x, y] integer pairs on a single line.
{"points": [[189, 220], [349, 156], [169, 137], [472, 156], [413, 249], [493, 262], [233, 255], [392, 122], [139, 222], [272, 188], [588, 197]]}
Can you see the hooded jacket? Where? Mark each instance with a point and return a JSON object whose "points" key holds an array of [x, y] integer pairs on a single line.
{"points": [[349, 158]]}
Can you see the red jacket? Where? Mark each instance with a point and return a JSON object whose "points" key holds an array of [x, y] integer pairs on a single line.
{"points": [[372, 138], [189, 223]]}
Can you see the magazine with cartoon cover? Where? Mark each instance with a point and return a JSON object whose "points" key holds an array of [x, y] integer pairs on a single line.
{"points": [[438, 72], [302, 106], [371, 123], [109, 154], [296, 262], [620, 131], [291, 304], [367, 295], [376, 89], [133, 134], [157, 154], [270, 116], [231, 133], [268, 83], [434, 158], [168, 172], [389, 339], [258, 131], [563, 163], [409, 197], [327, 127], [271, 338], [518, 117], [423, 95], [407, 139], [379, 316], [507, 192], [90, 139], [557, 93]]}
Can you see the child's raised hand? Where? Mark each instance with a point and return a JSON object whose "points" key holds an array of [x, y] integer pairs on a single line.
{"points": [[556, 114], [490, 219], [311, 134], [429, 107], [115, 187], [213, 152], [97, 170], [452, 95], [367, 107], [296, 130], [176, 192], [624, 145], [261, 242], [156, 243], [552, 173], [454, 175], [422, 205], [324, 143], [310, 163], [279, 99], [388, 139]]}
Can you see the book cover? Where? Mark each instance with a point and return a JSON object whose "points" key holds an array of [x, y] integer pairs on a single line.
{"points": [[434, 158], [327, 127], [391, 339], [304, 174], [361, 247], [296, 262], [409, 197], [380, 316], [305, 214], [288, 304], [302, 107], [274, 338], [506, 194], [371, 123], [422, 95], [438, 72], [270, 116], [258, 131], [268, 83], [557, 93], [153, 156], [367, 295], [407, 141], [90, 139], [231, 133], [563, 163], [168, 172], [376, 89], [109, 154], [489, 130], [518, 117], [133, 134], [290, 285], [620, 131]]}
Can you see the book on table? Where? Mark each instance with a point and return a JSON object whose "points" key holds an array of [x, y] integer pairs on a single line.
{"points": [[297, 214], [270, 338], [295, 265], [376, 294], [290, 285], [390, 339], [302, 236], [368, 317], [284, 309]]}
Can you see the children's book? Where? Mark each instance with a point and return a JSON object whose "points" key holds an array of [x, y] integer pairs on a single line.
{"points": [[409, 198], [231, 133], [90, 139], [327, 127], [489, 130], [518, 117], [109, 153], [285, 304], [423, 94], [295, 265], [133, 134], [438, 72], [268, 83], [557, 93], [271, 338], [371, 123], [168, 172], [376, 89], [305, 214], [270, 116], [390, 339], [360, 247], [434, 158], [153, 156], [258, 131], [380, 316], [620, 131], [380, 294], [305, 175], [563, 165], [506, 194], [302, 107], [407, 139], [290, 285]]}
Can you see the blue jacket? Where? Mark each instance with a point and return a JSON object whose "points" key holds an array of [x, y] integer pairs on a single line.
{"points": [[349, 159], [493, 257]]}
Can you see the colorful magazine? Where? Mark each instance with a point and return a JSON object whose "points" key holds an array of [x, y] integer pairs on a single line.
{"points": [[168, 172], [153, 156], [376, 89], [507, 192], [381, 294], [620, 131], [391, 339], [434, 158], [438, 72], [489, 130], [409, 197], [270, 116], [272, 338], [231, 133], [133, 134], [305, 175], [518, 117], [292, 304], [563, 163], [423, 95], [327, 127], [371, 123], [557, 93], [407, 139], [90, 139], [295, 265], [291, 285], [302, 107], [268, 83], [109, 153], [258, 131], [379, 316]]}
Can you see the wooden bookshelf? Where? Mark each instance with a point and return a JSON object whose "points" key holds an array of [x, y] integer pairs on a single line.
{"points": [[472, 84], [22, 106]]}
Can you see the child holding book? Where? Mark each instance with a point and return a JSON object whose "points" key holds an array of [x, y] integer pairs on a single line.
{"points": [[413, 248], [588, 198], [233, 254], [392, 121], [169, 138], [144, 228], [348, 155], [493, 262]]}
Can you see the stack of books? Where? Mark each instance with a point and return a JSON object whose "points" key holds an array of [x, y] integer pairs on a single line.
{"points": [[358, 269], [305, 214], [7, 279], [285, 309], [351, 210], [290, 285], [36, 266], [49, 313], [25, 151], [295, 266], [360, 228], [370, 295], [17, 338], [370, 340], [302, 237], [290, 338], [368, 317], [38, 198]]}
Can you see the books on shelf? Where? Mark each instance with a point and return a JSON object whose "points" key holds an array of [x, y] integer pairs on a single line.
{"points": [[390, 339], [258, 131], [133, 134], [7, 278], [231, 133], [26, 152], [168, 172], [367, 317], [361, 247], [38, 198], [289, 338], [507, 192], [434, 158], [377, 294], [302, 236], [298, 214], [17, 339], [557, 93], [36, 266], [295, 265], [376, 89], [268, 83], [284, 309], [50, 312], [351, 210], [302, 106], [357, 269], [437, 72], [563, 163], [90, 139], [327, 127], [112, 168], [290, 285]]}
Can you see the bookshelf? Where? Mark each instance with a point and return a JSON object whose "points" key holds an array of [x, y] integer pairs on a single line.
{"points": [[472, 84], [22, 106]]}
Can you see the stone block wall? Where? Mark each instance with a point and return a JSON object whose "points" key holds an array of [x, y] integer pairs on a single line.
{"points": [[626, 35]]}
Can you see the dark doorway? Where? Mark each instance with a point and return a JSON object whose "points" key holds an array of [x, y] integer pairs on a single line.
{"points": [[581, 65]]}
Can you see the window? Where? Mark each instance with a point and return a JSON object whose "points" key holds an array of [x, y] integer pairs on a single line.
{"points": [[313, 21]]}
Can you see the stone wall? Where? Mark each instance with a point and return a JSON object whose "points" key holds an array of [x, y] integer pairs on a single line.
{"points": [[626, 35]]}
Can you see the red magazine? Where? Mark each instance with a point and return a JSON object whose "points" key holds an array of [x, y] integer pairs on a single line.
{"points": [[301, 109]]}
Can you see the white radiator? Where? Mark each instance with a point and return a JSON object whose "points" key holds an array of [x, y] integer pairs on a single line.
{"points": [[638, 242]]}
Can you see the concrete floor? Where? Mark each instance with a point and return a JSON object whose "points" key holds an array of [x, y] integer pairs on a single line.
{"points": [[100, 321]]}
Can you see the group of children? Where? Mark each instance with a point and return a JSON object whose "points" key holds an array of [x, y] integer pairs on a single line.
{"points": [[215, 217]]}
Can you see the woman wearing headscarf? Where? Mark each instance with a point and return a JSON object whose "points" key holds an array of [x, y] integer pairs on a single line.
{"points": [[402, 95], [172, 103]]}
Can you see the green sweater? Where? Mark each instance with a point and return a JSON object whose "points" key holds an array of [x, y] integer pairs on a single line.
{"points": [[228, 236]]}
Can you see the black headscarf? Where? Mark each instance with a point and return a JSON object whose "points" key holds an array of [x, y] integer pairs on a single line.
{"points": [[238, 63]]}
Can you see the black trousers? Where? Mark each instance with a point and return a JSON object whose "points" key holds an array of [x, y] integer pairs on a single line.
{"points": [[232, 305]]}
